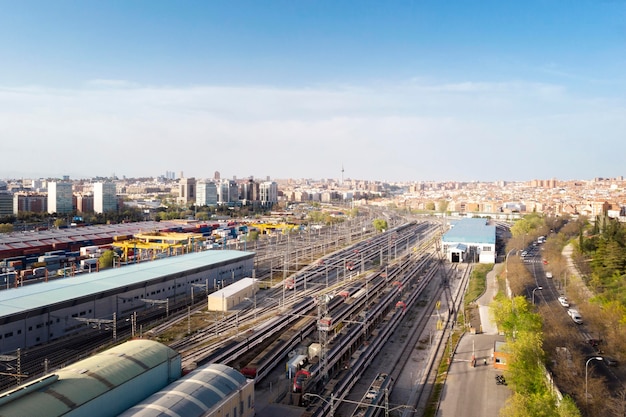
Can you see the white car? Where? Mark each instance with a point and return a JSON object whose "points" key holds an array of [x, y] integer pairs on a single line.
{"points": [[575, 315], [563, 300], [548, 274]]}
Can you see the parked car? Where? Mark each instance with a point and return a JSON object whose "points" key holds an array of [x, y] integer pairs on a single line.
{"points": [[575, 316], [564, 301], [548, 274]]}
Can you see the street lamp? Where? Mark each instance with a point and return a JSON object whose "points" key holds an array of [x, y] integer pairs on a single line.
{"points": [[597, 358], [533, 297]]}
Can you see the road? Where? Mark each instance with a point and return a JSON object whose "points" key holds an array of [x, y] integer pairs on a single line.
{"points": [[472, 391]]}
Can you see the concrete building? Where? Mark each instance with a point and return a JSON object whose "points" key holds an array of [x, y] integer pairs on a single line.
{"points": [[268, 193], [26, 312], [104, 197], [470, 240], [103, 385], [227, 192], [249, 192], [60, 199], [206, 193], [186, 191], [228, 297], [214, 390], [6, 202], [85, 203], [23, 202]]}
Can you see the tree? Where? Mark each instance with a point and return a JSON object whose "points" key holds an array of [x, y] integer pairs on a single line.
{"points": [[443, 206], [6, 228], [59, 222], [106, 259], [430, 206], [380, 225]]}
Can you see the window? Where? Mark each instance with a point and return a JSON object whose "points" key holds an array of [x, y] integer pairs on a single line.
{"points": [[486, 248]]}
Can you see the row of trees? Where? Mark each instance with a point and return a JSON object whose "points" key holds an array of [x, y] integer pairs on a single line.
{"points": [[602, 256], [524, 340], [561, 349]]}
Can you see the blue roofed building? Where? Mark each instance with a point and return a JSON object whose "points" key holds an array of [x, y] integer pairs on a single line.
{"points": [[470, 240]]}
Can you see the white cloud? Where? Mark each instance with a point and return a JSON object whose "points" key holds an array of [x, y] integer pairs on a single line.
{"points": [[469, 130]]}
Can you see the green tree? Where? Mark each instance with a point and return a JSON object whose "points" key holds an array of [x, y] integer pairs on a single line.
{"points": [[430, 206], [106, 259], [443, 206], [6, 228], [380, 224], [59, 222]]}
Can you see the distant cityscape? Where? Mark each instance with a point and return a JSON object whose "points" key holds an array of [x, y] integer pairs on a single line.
{"points": [[64, 196]]}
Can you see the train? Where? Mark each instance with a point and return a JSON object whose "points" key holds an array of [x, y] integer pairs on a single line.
{"points": [[371, 403]]}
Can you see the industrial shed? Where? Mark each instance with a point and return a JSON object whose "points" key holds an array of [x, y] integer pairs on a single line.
{"points": [[470, 240], [40, 313], [214, 390], [228, 297], [102, 385]]}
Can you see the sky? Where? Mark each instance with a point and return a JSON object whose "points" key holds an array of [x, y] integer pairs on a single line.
{"points": [[422, 90]]}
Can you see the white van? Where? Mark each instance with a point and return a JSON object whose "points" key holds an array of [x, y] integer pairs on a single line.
{"points": [[575, 315]]}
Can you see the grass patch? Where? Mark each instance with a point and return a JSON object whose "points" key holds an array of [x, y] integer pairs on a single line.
{"points": [[477, 283]]}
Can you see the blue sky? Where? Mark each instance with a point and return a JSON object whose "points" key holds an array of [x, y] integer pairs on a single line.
{"points": [[391, 90]]}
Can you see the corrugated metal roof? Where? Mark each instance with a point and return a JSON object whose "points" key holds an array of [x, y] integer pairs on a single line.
{"points": [[86, 380], [473, 230], [22, 299], [192, 395]]}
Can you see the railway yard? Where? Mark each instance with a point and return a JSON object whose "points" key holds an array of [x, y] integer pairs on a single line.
{"points": [[345, 322]]}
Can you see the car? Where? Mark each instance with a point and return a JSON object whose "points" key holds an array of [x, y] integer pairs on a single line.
{"points": [[575, 316], [524, 253], [548, 274], [564, 301]]}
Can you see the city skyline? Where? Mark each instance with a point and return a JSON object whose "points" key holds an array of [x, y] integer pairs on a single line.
{"points": [[390, 92]]}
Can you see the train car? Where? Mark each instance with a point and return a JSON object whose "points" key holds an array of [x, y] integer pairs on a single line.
{"points": [[371, 403], [8, 279]]}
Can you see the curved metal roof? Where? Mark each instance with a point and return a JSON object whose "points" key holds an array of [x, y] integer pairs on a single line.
{"points": [[69, 388], [192, 395]]}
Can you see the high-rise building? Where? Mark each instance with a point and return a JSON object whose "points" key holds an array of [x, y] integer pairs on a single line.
{"points": [[249, 192], [206, 194], [60, 197], [227, 192], [104, 197], [6, 200], [186, 190], [268, 193]]}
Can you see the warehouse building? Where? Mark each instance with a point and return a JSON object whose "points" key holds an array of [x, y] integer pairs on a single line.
{"points": [[214, 390], [40, 313], [103, 385], [470, 240], [228, 297]]}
